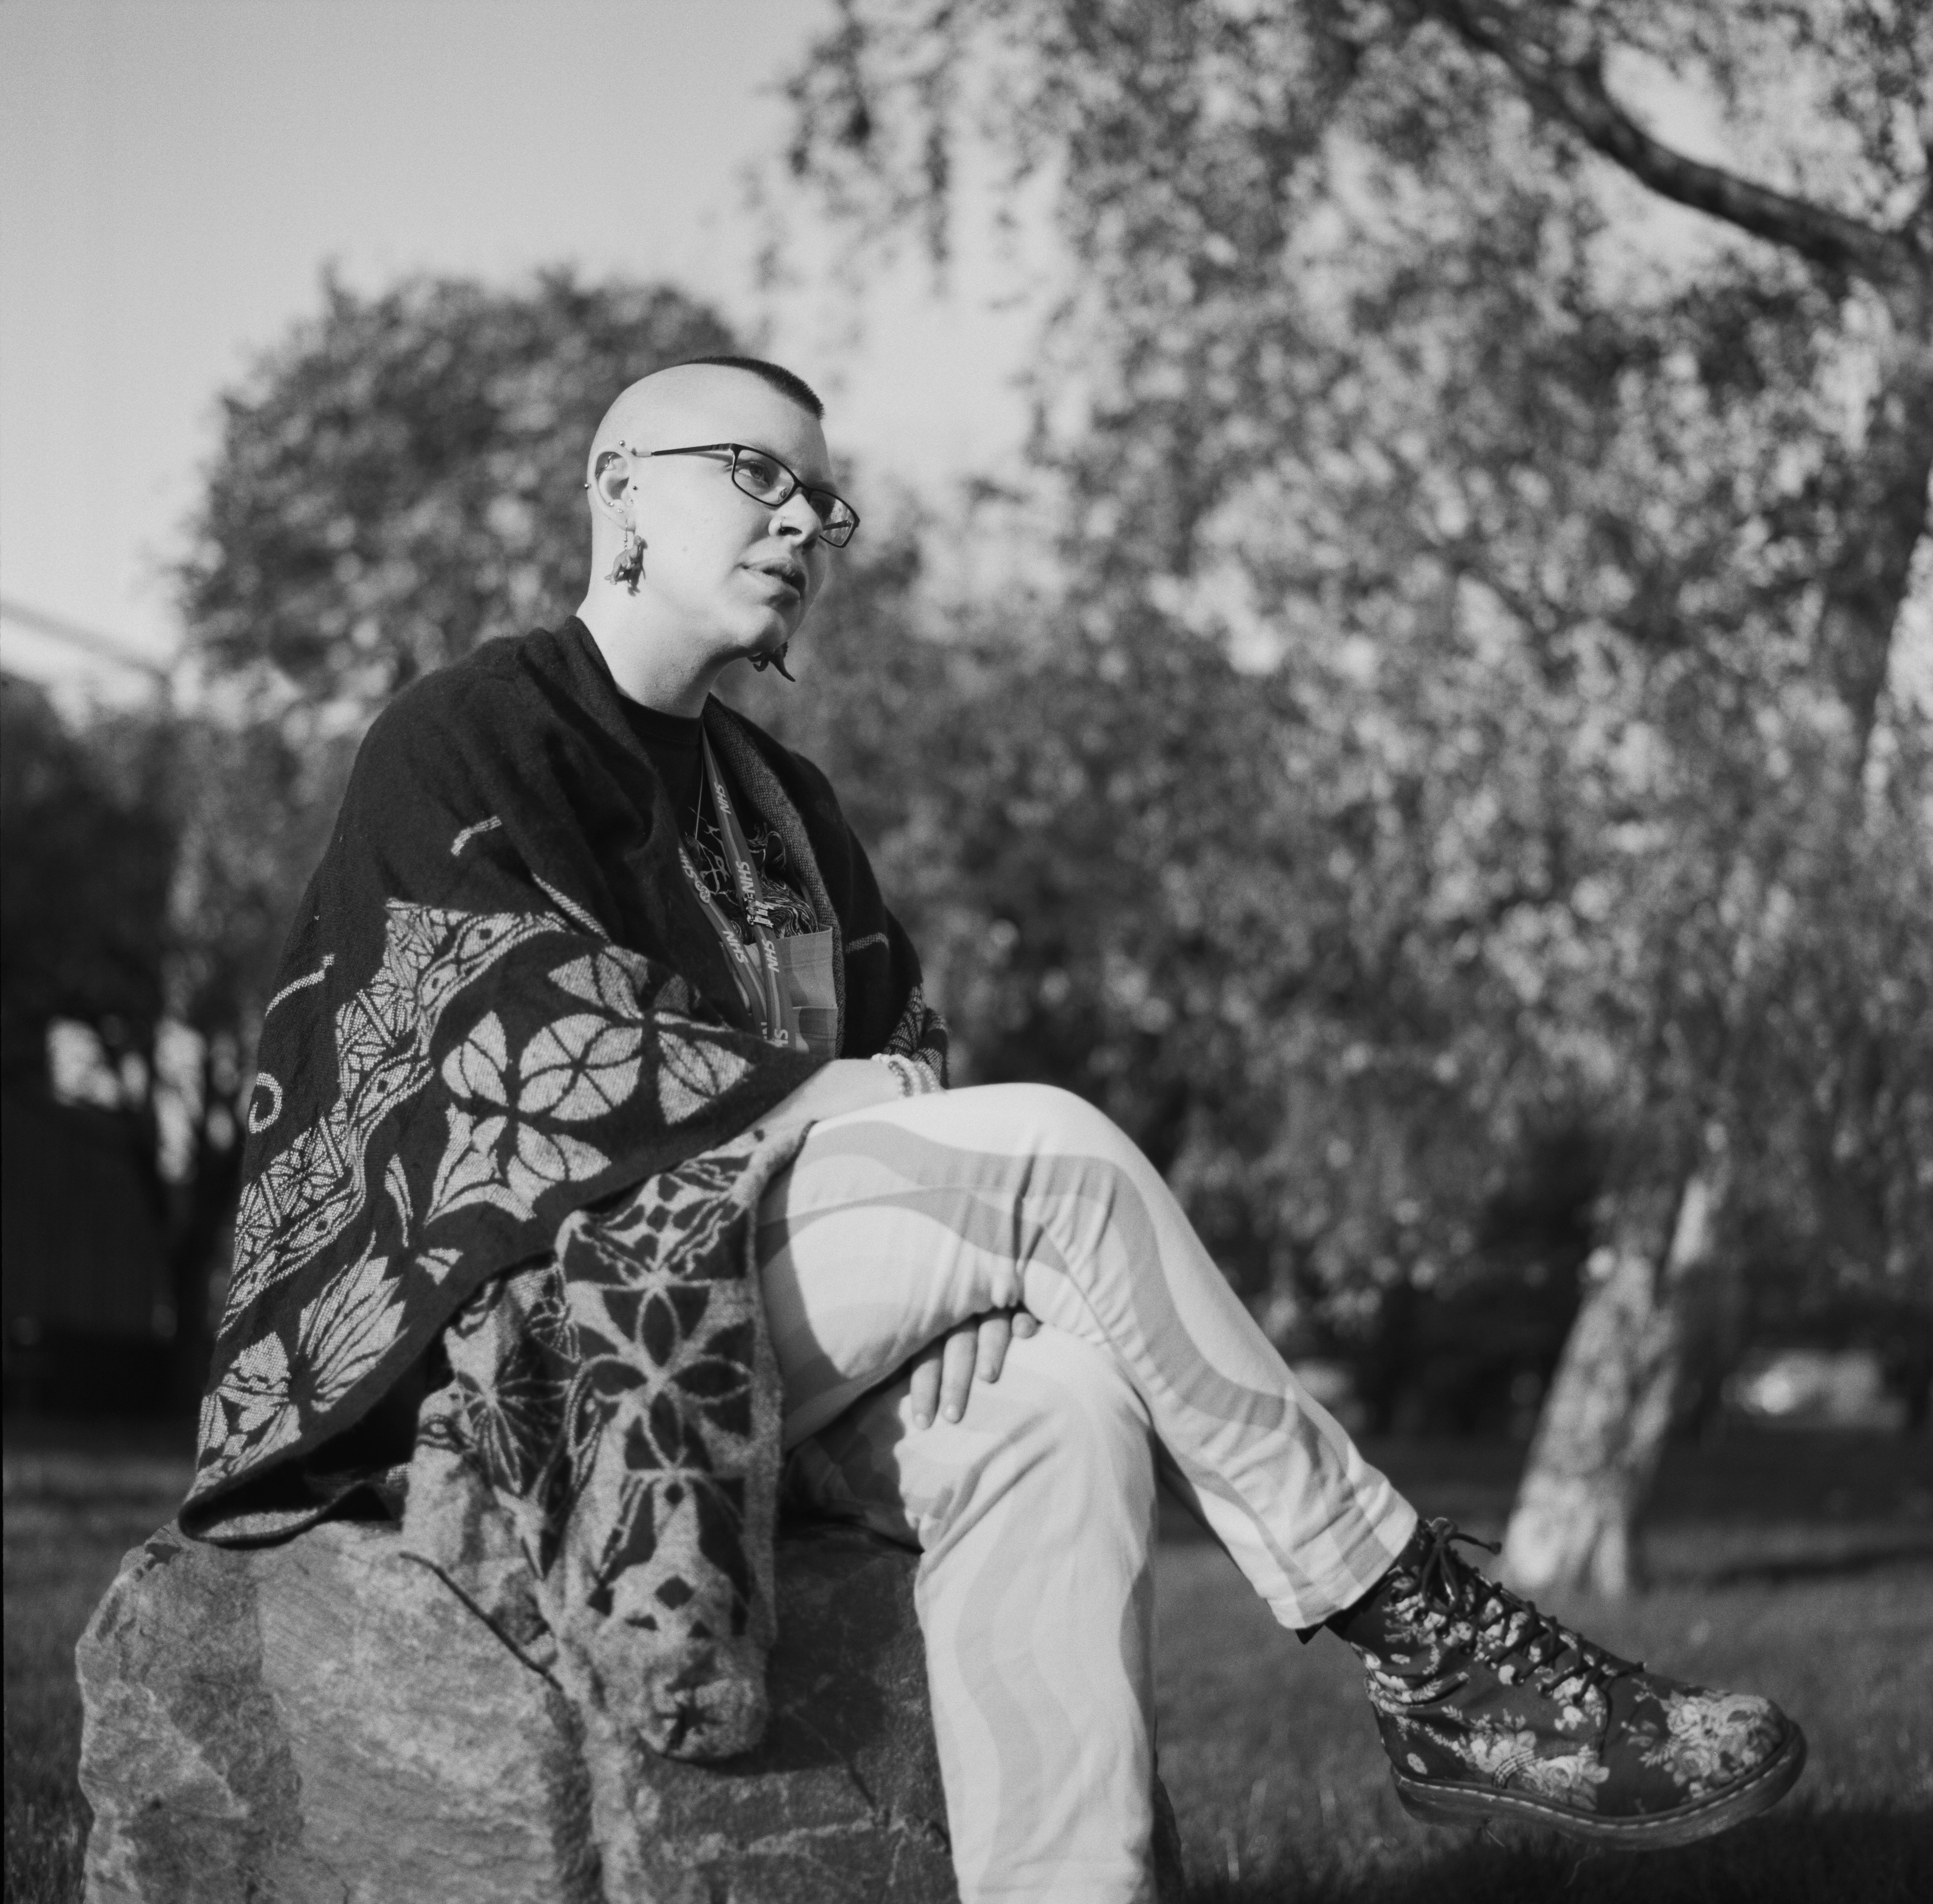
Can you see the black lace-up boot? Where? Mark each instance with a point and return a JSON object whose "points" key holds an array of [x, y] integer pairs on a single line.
{"points": [[1489, 1709]]}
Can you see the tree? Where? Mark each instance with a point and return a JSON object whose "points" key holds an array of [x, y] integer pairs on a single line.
{"points": [[1367, 350], [402, 477], [88, 853], [103, 918], [1599, 1442]]}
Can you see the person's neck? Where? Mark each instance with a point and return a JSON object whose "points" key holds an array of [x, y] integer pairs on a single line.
{"points": [[648, 667]]}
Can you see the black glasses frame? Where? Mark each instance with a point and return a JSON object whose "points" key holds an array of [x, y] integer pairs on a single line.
{"points": [[821, 502]]}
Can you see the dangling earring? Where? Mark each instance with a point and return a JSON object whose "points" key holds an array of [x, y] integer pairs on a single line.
{"points": [[760, 662], [629, 564]]}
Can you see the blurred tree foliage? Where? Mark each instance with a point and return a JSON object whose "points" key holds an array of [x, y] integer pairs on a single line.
{"points": [[402, 479], [87, 851], [1503, 570], [149, 859]]}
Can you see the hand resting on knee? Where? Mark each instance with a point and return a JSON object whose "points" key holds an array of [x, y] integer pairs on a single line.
{"points": [[942, 1372]]}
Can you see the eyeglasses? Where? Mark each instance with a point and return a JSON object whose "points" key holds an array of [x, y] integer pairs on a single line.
{"points": [[765, 479]]}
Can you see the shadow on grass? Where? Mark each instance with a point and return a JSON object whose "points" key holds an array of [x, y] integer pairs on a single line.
{"points": [[1869, 1559], [1799, 1855]]}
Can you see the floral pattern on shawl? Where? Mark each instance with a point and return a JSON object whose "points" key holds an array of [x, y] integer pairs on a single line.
{"points": [[514, 1111], [590, 1472]]}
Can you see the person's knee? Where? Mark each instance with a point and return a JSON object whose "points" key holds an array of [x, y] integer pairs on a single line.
{"points": [[1057, 1119]]}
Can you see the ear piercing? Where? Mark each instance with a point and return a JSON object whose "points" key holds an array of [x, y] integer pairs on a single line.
{"points": [[622, 445], [629, 564]]}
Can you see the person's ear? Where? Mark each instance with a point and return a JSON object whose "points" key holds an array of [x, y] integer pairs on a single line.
{"points": [[610, 479]]}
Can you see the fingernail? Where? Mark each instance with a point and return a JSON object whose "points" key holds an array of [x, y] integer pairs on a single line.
{"points": [[953, 1412]]}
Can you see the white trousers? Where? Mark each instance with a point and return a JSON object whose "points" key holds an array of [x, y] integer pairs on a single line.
{"points": [[1035, 1513]]}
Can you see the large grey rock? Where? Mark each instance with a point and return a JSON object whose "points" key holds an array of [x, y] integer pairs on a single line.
{"points": [[327, 1720]]}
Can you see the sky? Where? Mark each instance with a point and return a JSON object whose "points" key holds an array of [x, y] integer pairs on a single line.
{"points": [[175, 174]]}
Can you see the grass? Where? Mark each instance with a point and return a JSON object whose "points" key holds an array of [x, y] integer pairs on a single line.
{"points": [[72, 1510], [1798, 1566]]}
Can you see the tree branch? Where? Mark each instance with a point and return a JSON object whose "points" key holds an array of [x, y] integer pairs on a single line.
{"points": [[1573, 90]]}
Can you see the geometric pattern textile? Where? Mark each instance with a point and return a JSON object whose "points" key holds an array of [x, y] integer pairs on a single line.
{"points": [[587, 1476]]}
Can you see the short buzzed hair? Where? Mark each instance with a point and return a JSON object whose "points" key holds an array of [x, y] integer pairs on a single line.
{"points": [[793, 388]]}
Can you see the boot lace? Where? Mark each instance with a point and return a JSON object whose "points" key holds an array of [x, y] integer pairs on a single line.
{"points": [[1510, 1630]]}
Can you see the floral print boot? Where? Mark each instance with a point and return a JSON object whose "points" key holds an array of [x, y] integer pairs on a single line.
{"points": [[1490, 1710]]}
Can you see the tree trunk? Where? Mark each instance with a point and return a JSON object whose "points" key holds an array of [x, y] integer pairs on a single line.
{"points": [[1597, 1444], [1604, 1423], [1596, 1451], [1885, 515]]}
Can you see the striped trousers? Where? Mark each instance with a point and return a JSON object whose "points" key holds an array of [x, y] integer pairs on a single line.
{"points": [[1034, 1514]]}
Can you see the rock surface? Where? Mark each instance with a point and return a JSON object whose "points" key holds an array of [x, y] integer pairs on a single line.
{"points": [[327, 1720]]}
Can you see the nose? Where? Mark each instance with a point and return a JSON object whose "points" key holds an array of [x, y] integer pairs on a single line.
{"points": [[797, 517]]}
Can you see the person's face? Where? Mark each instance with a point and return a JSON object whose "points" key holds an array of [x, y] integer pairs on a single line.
{"points": [[721, 567]]}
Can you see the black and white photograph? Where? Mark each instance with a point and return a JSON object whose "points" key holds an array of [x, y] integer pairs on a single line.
{"points": [[967, 951]]}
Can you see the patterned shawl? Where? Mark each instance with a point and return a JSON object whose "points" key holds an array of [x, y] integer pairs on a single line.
{"points": [[506, 1118]]}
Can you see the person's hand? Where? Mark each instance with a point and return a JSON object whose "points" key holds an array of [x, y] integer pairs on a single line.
{"points": [[943, 1371], [843, 1084]]}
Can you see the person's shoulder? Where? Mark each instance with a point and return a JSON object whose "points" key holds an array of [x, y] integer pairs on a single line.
{"points": [[478, 698], [479, 684]]}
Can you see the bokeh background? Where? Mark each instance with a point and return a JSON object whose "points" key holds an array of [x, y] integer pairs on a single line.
{"points": [[1391, 647]]}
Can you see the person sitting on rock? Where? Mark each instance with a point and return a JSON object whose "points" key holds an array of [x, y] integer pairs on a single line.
{"points": [[601, 1157]]}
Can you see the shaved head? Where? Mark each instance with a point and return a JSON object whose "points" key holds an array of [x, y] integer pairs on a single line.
{"points": [[690, 569], [662, 411], [781, 379]]}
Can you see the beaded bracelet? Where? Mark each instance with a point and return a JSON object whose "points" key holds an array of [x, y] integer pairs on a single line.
{"points": [[901, 1069]]}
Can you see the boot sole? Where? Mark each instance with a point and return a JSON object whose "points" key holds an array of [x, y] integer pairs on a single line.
{"points": [[1434, 1802]]}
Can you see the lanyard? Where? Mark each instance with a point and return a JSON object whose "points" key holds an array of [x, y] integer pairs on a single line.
{"points": [[757, 967]]}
